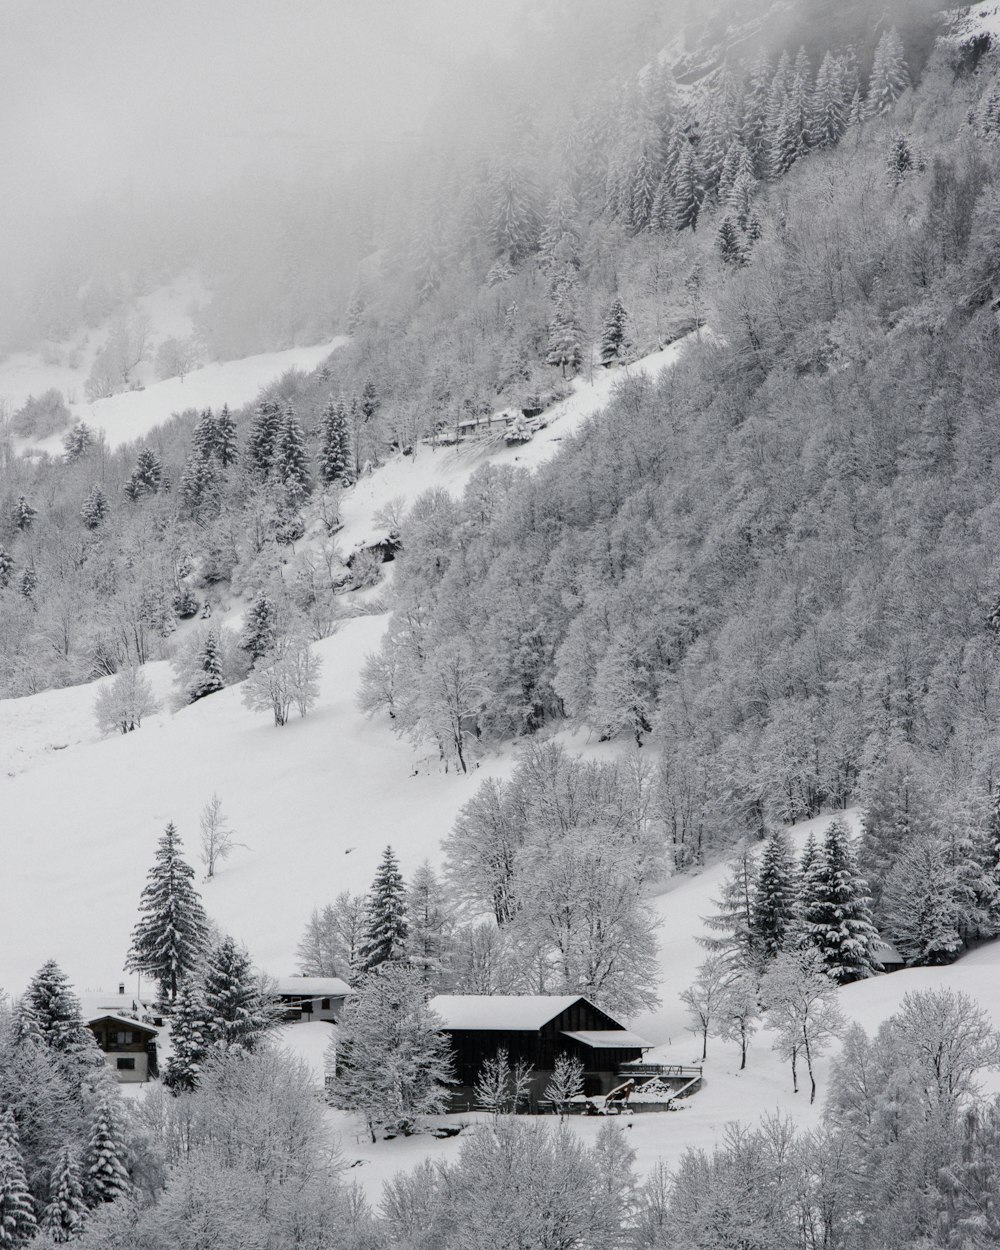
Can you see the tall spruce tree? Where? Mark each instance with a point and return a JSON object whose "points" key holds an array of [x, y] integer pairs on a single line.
{"points": [[837, 914], [94, 508], [335, 442], [17, 1213], [262, 440], [226, 448], [689, 191], [429, 942], [169, 940], [66, 1210], [260, 630], [189, 1038], [208, 679], [919, 905], [6, 568], [775, 899], [614, 337], [386, 926], [291, 465], [237, 1016], [105, 1176], [733, 920], [890, 75], [54, 1009]]}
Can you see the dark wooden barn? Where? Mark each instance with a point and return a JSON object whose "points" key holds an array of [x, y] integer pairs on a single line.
{"points": [[535, 1029]]}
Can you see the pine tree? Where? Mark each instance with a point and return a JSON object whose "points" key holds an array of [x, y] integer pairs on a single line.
{"points": [[105, 1176], [890, 76], [78, 441], [640, 190], [688, 190], [199, 483], [919, 905], [169, 940], [559, 243], [226, 449], [237, 1017], [734, 918], [429, 943], [54, 1010], [209, 678], [24, 515], [17, 1213], [148, 473], [663, 212], [564, 348], [205, 438], [370, 400], [729, 244], [335, 446], [614, 339], [386, 926], [828, 120], [837, 915], [94, 509], [6, 568], [65, 1210], [260, 631], [263, 438], [189, 1039], [28, 581], [775, 899], [514, 220], [291, 465]]}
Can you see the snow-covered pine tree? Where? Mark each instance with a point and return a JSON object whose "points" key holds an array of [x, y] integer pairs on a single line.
{"points": [[262, 439], [919, 906], [23, 514], [226, 448], [65, 1211], [209, 670], [514, 218], [614, 337], [169, 940], [775, 898], [17, 1213], [28, 582], [836, 914], [642, 178], [291, 465], [205, 437], [147, 475], [188, 1038], [689, 191], [386, 925], [662, 212], [430, 942], [558, 245], [54, 1009], [6, 568], [78, 442], [105, 1176], [564, 348], [236, 1014], [335, 443], [94, 508], [890, 75], [370, 401], [828, 120], [260, 630], [729, 244], [733, 920]]}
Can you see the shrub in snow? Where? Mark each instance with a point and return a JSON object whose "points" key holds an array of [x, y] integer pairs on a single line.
{"points": [[288, 675], [123, 702]]}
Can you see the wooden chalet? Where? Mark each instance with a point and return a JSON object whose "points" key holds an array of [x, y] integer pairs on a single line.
{"points": [[312, 998], [128, 1045], [535, 1029]]}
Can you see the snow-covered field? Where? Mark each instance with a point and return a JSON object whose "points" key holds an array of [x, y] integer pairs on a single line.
{"points": [[314, 804]]}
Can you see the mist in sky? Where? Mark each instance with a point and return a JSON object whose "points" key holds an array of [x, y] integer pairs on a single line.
{"points": [[136, 96]]}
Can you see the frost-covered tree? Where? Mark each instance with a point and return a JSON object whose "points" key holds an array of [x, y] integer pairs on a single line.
{"points": [[291, 464], [775, 898], [226, 447], [216, 835], [189, 1038], [738, 1010], [614, 336], [564, 349], [287, 675], [731, 248], [237, 1014], [733, 919], [50, 1011], [169, 940], [703, 998], [837, 915], [566, 1083], [123, 701], [502, 1087], [890, 75], [689, 190], [386, 928], [828, 121], [78, 441], [94, 508], [335, 443], [6, 568], [262, 440], [392, 1061], [431, 926], [17, 1213], [65, 1212], [800, 1006], [919, 905], [331, 944], [105, 1174], [514, 217], [23, 514], [208, 679], [260, 630]]}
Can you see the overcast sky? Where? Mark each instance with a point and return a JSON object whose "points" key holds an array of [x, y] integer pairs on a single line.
{"points": [[98, 95]]}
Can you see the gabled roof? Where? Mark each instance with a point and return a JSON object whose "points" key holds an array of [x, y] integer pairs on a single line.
{"points": [[512, 1013], [127, 1021], [314, 987]]}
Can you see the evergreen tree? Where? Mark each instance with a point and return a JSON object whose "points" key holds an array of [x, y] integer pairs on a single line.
{"points": [[237, 1016], [226, 449], [890, 76], [260, 631], [774, 907], [514, 220], [199, 483], [29, 581], [559, 243], [828, 121], [640, 189], [189, 1039], [65, 1210], [291, 465], [386, 927], [17, 1212], [78, 441], [94, 509], [6, 568], [54, 1009], [733, 920], [564, 348], [147, 475], [209, 670], [169, 940], [262, 440], [370, 401], [919, 907], [205, 438], [837, 915], [429, 943], [663, 212], [24, 514], [105, 1176], [335, 442], [688, 190], [614, 339], [730, 245]]}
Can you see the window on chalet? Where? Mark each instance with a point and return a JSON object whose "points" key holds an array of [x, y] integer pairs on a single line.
{"points": [[126, 1063]]}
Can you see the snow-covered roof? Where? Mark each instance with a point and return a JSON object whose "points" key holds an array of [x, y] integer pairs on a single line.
{"points": [[607, 1039], [127, 1021], [503, 1012], [886, 953], [314, 987]]}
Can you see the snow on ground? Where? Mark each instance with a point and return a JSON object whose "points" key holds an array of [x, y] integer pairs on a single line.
{"points": [[403, 478], [978, 19]]}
